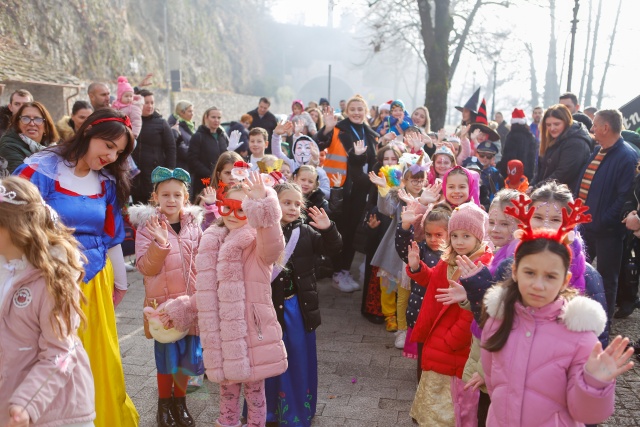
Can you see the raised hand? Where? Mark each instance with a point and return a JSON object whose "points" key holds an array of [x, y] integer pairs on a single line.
{"points": [[387, 138], [426, 140], [431, 193], [464, 132], [475, 382], [329, 118], [209, 195], [373, 221], [319, 218], [613, 361], [414, 141], [406, 197], [158, 230], [454, 294], [359, 148], [298, 126], [377, 180], [234, 138], [474, 134], [254, 187], [408, 216], [441, 135], [413, 256], [283, 128], [467, 267], [336, 180], [146, 81]]}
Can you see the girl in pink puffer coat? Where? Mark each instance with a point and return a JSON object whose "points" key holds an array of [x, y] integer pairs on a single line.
{"points": [[543, 363], [166, 245], [241, 337]]}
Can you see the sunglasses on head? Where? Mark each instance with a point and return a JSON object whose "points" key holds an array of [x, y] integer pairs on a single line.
{"points": [[232, 205], [486, 155]]}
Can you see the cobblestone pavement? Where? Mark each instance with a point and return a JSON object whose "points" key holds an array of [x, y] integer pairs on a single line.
{"points": [[363, 379]]}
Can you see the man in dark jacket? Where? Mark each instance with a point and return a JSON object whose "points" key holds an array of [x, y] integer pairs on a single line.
{"points": [[16, 100], [156, 147], [570, 100], [263, 118], [605, 183]]}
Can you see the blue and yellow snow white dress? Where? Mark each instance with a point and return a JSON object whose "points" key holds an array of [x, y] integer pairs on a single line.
{"points": [[89, 205]]}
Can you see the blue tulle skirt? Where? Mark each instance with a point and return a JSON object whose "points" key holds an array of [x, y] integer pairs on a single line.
{"points": [[184, 355], [292, 396]]}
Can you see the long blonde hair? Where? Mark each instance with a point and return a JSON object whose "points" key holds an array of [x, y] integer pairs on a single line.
{"points": [[49, 246]]}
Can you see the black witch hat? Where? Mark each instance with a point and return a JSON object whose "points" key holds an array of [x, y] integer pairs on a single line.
{"points": [[472, 103]]}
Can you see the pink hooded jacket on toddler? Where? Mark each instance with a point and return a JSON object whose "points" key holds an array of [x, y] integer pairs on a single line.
{"points": [[31, 354], [538, 378], [133, 110], [239, 330]]}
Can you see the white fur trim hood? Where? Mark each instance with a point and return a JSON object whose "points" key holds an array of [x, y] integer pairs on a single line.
{"points": [[580, 314], [139, 214]]}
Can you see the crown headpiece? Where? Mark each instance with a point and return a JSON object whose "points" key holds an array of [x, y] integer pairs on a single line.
{"points": [[9, 197], [562, 235]]}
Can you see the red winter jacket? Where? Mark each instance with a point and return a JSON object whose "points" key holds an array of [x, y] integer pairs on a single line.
{"points": [[445, 330]]}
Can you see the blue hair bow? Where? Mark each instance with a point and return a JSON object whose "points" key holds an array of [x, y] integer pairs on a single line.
{"points": [[161, 174]]}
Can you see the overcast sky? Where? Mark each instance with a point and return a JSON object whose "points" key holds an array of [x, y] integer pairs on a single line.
{"points": [[531, 24]]}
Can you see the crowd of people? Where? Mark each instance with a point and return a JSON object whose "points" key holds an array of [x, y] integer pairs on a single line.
{"points": [[496, 253]]}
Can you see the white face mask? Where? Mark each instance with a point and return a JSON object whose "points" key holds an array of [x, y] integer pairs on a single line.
{"points": [[302, 151]]}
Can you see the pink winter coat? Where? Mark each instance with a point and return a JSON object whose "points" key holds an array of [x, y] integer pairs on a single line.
{"points": [[30, 350], [169, 272], [134, 111], [239, 330], [538, 378]]}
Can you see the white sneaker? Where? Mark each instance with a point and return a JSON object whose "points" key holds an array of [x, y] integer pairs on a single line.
{"points": [[128, 267], [401, 337], [339, 282], [350, 282]]}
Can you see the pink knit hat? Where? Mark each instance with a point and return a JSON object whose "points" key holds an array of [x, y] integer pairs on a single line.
{"points": [[123, 86], [469, 217]]}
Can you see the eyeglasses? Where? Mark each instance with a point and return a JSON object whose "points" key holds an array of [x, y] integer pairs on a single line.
{"points": [[486, 155], [231, 205], [416, 181], [25, 120]]}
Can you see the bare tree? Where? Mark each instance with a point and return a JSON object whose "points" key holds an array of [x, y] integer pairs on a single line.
{"points": [[551, 87], [533, 80], [589, 92], [586, 53], [430, 28], [606, 65]]}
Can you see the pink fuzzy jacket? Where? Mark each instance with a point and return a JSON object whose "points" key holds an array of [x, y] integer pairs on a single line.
{"points": [[538, 378], [169, 272], [239, 330], [31, 354], [134, 111]]}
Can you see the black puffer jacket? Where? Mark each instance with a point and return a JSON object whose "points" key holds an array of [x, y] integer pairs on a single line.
{"points": [[566, 158], [300, 270], [520, 144], [431, 258], [204, 151], [156, 147]]}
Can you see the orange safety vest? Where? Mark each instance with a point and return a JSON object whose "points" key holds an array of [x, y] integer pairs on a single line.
{"points": [[336, 162]]}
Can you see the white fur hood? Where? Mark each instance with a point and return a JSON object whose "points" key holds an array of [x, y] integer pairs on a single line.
{"points": [[580, 314], [139, 214]]}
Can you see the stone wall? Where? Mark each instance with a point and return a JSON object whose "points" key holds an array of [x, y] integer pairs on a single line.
{"points": [[59, 100]]}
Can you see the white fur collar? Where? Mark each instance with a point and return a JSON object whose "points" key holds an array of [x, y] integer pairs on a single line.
{"points": [[139, 214], [580, 314]]}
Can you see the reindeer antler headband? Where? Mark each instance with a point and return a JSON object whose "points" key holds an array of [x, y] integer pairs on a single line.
{"points": [[569, 220]]}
